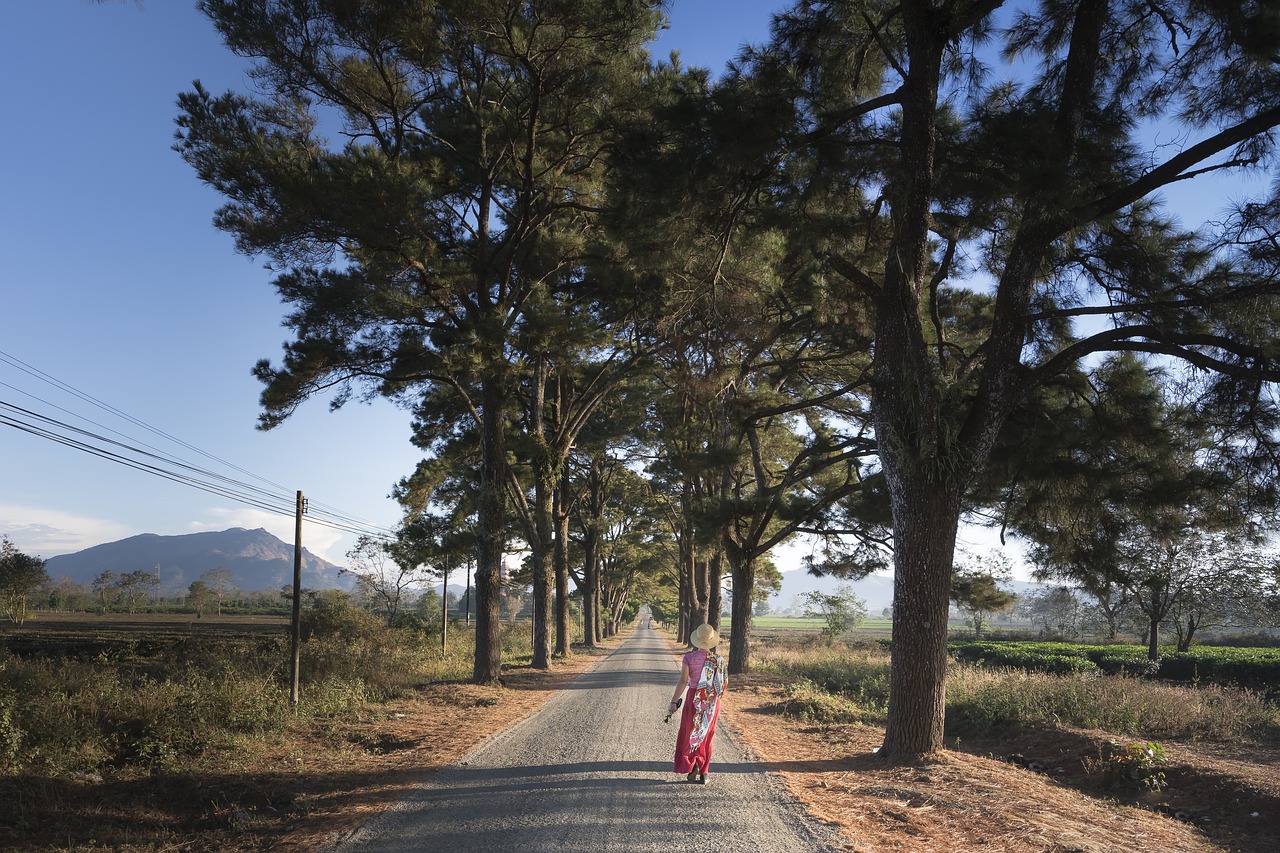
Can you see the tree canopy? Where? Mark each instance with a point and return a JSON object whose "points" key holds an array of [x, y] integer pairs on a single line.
{"points": [[20, 575], [902, 263]]}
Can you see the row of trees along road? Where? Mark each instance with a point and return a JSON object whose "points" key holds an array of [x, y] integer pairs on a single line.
{"points": [[832, 292]]}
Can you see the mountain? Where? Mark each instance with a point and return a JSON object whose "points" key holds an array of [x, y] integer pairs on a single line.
{"points": [[256, 559]]}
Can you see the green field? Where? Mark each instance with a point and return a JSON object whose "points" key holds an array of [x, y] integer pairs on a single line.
{"points": [[797, 622], [870, 628]]}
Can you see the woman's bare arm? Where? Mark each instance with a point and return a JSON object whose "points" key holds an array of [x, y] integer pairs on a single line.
{"points": [[684, 682]]}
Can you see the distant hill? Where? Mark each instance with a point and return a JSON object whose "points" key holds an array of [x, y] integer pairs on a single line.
{"points": [[256, 559]]}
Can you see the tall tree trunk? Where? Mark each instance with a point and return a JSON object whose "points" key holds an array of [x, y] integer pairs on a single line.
{"points": [[596, 598], [929, 448], [616, 612], [1184, 639], [1153, 638], [744, 584], [684, 626], [561, 565], [491, 527], [591, 510], [910, 421], [590, 589], [715, 574], [701, 593], [925, 521], [682, 611], [541, 545], [540, 557], [606, 607]]}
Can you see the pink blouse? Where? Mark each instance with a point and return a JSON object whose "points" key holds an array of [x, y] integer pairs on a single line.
{"points": [[694, 661]]}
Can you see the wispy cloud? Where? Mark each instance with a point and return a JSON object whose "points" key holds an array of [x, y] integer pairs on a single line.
{"points": [[48, 532]]}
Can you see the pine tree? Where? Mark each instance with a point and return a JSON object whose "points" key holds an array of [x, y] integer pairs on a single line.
{"points": [[1036, 191], [462, 196]]}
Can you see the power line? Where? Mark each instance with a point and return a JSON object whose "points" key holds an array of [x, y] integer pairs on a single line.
{"points": [[52, 435], [152, 460], [21, 412], [49, 428], [75, 392]]}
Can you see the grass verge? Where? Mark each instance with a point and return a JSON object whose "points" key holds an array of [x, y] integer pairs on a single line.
{"points": [[190, 744], [840, 683]]}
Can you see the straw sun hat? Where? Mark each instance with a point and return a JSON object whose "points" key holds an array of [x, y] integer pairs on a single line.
{"points": [[704, 637]]}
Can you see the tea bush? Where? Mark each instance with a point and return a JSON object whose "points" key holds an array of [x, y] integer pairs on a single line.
{"points": [[1253, 667], [1224, 664]]}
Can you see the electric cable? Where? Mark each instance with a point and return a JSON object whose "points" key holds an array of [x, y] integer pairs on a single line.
{"points": [[288, 511], [152, 460], [75, 392]]}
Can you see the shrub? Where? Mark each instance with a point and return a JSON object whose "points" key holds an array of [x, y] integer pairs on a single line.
{"points": [[807, 701], [418, 623], [334, 614], [984, 700], [332, 697], [1134, 765]]}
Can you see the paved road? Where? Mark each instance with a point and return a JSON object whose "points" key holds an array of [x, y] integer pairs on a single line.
{"points": [[591, 771]]}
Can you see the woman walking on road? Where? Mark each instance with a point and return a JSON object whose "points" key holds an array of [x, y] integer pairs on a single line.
{"points": [[703, 672]]}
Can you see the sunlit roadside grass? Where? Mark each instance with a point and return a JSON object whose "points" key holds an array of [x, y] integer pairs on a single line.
{"points": [[859, 677], [174, 705], [839, 683], [989, 700]]}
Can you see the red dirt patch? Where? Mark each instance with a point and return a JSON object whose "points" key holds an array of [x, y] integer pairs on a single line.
{"points": [[977, 799]]}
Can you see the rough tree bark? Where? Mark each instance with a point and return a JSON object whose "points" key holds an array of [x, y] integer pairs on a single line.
{"points": [[491, 528]]}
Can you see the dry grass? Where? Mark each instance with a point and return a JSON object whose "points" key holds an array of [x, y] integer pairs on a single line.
{"points": [[288, 790], [293, 790], [979, 698]]}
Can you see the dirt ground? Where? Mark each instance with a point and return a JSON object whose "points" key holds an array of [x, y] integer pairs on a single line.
{"points": [[1029, 793]]}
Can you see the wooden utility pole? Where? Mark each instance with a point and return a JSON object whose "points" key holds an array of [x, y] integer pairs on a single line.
{"points": [[444, 618], [295, 640]]}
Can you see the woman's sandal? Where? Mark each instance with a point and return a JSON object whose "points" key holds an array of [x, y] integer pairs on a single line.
{"points": [[693, 776]]}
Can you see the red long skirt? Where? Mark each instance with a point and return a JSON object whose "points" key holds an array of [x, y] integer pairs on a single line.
{"points": [[689, 756]]}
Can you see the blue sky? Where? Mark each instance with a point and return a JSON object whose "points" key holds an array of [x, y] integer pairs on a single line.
{"points": [[117, 284]]}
